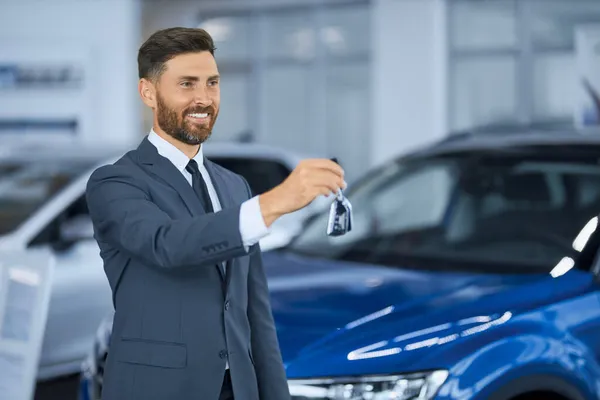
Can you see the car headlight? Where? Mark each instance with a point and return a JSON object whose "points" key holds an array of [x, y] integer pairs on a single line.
{"points": [[419, 386]]}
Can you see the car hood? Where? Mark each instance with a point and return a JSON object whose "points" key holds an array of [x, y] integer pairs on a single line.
{"points": [[330, 312]]}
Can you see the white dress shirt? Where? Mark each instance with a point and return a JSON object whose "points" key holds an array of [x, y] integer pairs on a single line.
{"points": [[252, 226]]}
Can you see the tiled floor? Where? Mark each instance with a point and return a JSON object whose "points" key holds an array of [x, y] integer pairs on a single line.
{"points": [[63, 389]]}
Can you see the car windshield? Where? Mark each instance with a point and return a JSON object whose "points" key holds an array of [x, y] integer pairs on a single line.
{"points": [[261, 174], [26, 186], [474, 211]]}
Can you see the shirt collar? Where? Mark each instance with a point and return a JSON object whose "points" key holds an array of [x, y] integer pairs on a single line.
{"points": [[172, 153]]}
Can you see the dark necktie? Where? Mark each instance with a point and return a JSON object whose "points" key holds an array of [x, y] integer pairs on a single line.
{"points": [[199, 186], [201, 190]]}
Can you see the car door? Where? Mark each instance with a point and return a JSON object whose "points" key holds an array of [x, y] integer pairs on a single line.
{"points": [[81, 295]]}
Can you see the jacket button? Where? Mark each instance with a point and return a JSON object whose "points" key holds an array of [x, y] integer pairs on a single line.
{"points": [[227, 305], [223, 354]]}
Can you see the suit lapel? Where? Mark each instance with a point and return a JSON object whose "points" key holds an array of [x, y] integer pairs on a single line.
{"points": [[162, 168], [221, 187], [226, 200]]}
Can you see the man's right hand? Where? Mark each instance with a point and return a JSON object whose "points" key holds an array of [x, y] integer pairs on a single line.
{"points": [[310, 179]]}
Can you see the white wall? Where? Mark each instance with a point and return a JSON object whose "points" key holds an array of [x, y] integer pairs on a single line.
{"points": [[103, 36], [409, 65]]}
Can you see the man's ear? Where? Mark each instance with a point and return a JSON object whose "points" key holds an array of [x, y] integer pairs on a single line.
{"points": [[147, 92]]}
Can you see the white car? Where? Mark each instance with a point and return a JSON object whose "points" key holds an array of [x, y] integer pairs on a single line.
{"points": [[43, 210]]}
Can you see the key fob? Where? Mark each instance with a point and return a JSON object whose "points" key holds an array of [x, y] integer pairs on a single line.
{"points": [[340, 216]]}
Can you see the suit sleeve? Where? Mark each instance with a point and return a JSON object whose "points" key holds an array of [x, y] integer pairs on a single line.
{"points": [[270, 373], [124, 217]]}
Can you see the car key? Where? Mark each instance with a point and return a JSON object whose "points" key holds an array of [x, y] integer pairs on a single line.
{"points": [[340, 214]]}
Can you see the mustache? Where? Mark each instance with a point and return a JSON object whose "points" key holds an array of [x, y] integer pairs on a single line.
{"points": [[200, 110]]}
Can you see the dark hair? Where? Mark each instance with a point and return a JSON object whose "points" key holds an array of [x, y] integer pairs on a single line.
{"points": [[165, 44]]}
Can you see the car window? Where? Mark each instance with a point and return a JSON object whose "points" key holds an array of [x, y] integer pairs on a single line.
{"points": [[26, 187], [464, 212], [9, 168], [262, 174], [74, 222], [424, 206]]}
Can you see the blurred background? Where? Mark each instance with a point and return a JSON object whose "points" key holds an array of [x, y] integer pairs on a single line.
{"points": [[361, 80]]}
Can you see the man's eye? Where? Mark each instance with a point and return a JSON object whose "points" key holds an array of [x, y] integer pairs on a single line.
{"points": [[186, 84]]}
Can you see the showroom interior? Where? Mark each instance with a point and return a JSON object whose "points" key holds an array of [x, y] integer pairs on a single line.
{"points": [[468, 132]]}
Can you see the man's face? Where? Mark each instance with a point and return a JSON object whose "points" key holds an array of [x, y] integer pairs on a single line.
{"points": [[188, 97]]}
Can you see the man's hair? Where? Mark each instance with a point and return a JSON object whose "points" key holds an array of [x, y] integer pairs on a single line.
{"points": [[168, 43]]}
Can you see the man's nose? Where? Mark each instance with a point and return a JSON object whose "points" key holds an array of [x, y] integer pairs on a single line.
{"points": [[201, 97]]}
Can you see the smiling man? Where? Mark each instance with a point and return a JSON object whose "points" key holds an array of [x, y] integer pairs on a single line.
{"points": [[179, 239]]}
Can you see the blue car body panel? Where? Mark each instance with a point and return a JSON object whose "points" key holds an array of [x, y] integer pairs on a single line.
{"points": [[487, 329]]}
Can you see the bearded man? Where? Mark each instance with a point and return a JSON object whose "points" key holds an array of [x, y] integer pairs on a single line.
{"points": [[179, 237]]}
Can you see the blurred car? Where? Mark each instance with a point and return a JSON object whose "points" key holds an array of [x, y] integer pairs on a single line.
{"points": [[471, 272], [43, 210]]}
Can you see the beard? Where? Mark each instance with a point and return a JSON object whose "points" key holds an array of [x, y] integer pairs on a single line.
{"points": [[176, 126]]}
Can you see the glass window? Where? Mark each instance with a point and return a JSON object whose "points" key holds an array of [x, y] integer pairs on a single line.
{"points": [[273, 97], [483, 91], [549, 27], [286, 93], [290, 34], [25, 191], [472, 210], [262, 175], [421, 208], [234, 118], [483, 25], [553, 22], [586, 189], [554, 85], [347, 124], [346, 30], [231, 35], [9, 167]]}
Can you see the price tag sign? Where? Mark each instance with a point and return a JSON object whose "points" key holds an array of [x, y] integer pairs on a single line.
{"points": [[25, 284]]}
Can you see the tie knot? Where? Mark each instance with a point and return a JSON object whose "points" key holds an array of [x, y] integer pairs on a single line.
{"points": [[192, 167]]}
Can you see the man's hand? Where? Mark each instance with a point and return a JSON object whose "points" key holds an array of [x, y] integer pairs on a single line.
{"points": [[310, 179]]}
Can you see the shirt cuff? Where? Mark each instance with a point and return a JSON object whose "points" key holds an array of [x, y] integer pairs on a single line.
{"points": [[252, 225]]}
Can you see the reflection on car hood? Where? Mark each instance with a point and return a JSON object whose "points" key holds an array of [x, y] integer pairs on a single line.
{"points": [[336, 311], [346, 318]]}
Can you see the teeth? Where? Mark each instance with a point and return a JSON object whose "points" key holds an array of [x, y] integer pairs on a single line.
{"points": [[198, 115]]}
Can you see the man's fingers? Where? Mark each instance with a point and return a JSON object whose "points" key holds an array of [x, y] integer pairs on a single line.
{"points": [[322, 190], [323, 163], [325, 178]]}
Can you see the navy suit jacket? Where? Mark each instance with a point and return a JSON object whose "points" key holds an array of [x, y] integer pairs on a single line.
{"points": [[178, 320]]}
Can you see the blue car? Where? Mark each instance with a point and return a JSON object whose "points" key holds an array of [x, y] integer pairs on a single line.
{"points": [[471, 272]]}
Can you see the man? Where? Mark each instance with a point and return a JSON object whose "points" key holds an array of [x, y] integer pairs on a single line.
{"points": [[179, 238]]}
